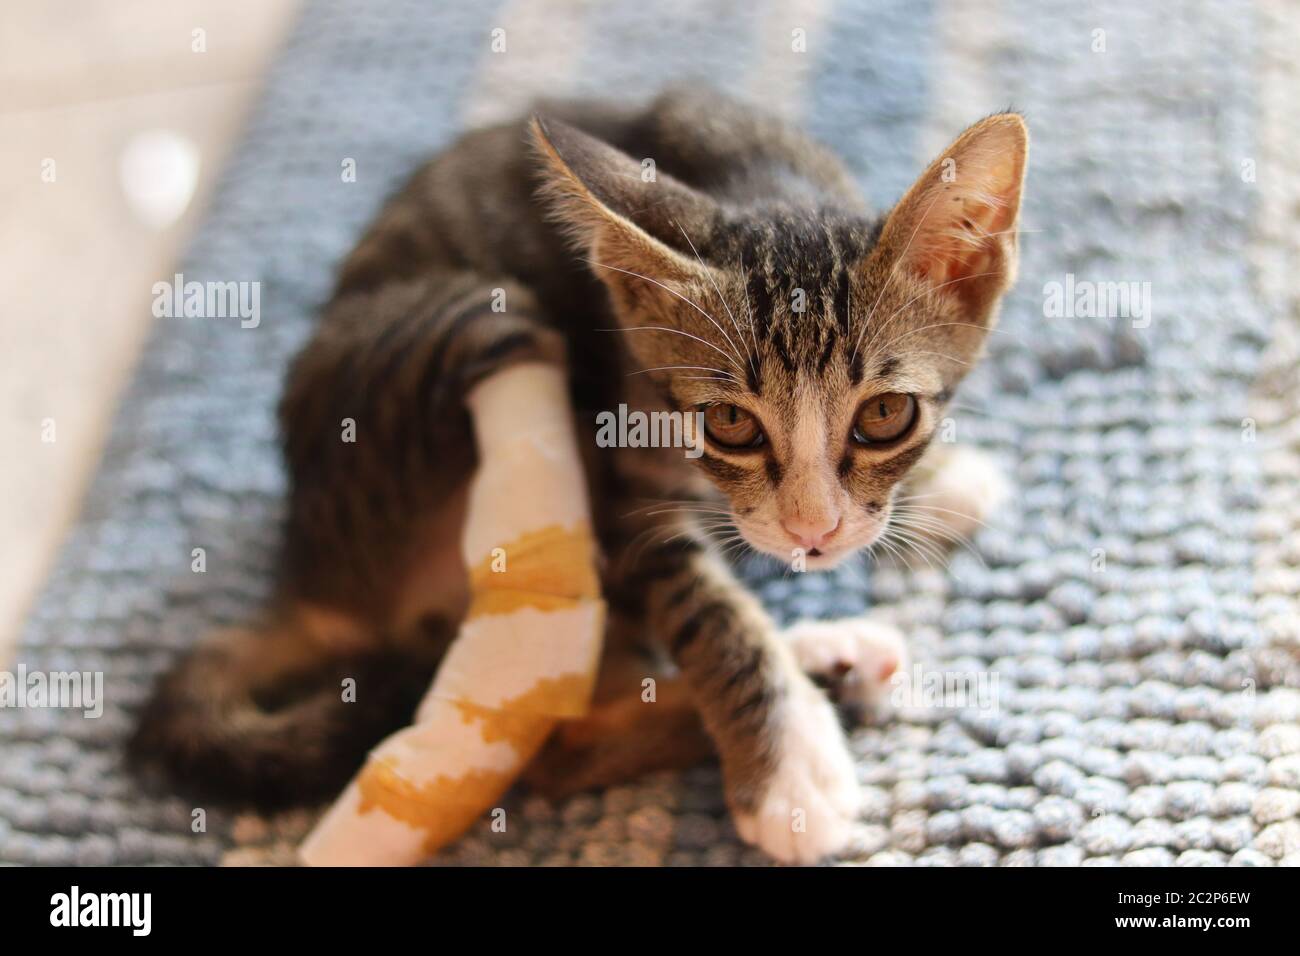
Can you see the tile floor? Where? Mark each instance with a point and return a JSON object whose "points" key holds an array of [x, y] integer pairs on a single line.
{"points": [[79, 82]]}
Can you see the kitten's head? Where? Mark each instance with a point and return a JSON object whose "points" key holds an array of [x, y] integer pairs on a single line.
{"points": [[821, 346]]}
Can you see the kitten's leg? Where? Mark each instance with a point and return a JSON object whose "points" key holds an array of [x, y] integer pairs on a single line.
{"points": [[951, 492], [642, 719], [378, 449], [789, 779]]}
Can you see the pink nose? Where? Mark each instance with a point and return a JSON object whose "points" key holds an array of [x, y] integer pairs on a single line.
{"points": [[811, 535]]}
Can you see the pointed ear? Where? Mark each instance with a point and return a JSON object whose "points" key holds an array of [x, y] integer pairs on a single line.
{"points": [[623, 215], [956, 227]]}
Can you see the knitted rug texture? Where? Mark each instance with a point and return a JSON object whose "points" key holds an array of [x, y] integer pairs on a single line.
{"points": [[1132, 610]]}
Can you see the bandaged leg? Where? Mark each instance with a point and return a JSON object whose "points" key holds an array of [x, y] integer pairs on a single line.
{"points": [[528, 651]]}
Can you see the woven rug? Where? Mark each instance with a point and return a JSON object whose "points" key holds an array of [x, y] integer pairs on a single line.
{"points": [[1137, 599]]}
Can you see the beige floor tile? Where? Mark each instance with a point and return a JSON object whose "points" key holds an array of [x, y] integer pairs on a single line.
{"points": [[76, 264]]}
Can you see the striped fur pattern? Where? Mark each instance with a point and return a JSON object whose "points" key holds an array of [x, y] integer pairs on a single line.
{"points": [[686, 255]]}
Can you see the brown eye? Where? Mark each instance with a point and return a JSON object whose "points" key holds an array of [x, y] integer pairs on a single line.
{"points": [[732, 426], [883, 418]]}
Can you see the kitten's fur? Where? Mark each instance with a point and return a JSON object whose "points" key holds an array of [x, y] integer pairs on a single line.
{"points": [[698, 266]]}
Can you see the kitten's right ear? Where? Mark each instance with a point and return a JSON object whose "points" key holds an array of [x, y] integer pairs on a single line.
{"points": [[625, 215]]}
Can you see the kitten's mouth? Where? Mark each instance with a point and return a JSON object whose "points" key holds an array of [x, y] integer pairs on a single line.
{"points": [[814, 559], [818, 559]]}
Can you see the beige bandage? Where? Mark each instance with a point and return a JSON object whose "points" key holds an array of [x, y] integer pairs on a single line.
{"points": [[527, 653]]}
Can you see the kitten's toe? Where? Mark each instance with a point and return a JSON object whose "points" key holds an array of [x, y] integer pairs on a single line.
{"points": [[852, 659]]}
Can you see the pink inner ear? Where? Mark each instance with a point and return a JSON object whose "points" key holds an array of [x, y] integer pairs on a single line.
{"points": [[962, 234], [957, 231]]}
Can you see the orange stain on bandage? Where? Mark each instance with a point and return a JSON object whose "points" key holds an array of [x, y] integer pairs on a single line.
{"points": [[550, 697], [446, 806], [549, 569], [443, 808]]}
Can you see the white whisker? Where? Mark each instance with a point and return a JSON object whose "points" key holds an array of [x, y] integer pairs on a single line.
{"points": [[684, 368], [664, 328], [694, 305], [959, 514], [890, 278], [721, 297], [885, 325], [749, 311]]}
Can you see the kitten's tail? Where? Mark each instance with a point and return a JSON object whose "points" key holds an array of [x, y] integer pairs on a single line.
{"points": [[267, 716]]}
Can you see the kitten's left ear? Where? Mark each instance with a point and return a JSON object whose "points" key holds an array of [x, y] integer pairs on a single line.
{"points": [[625, 215], [956, 227]]}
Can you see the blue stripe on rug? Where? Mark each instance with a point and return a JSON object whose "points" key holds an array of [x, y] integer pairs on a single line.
{"points": [[871, 89]]}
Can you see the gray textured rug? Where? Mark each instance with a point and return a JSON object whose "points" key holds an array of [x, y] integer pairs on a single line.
{"points": [[1136, 600]]}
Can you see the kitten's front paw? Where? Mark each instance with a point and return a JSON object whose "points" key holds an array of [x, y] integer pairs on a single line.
{"points": [[807, 808], [853, 659], [956, 497]]}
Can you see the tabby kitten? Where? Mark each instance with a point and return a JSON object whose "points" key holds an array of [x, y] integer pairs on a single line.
{"points": [[691, 256]]}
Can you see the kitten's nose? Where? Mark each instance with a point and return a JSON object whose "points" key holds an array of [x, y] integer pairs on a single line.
{"points": [[811, 534]]}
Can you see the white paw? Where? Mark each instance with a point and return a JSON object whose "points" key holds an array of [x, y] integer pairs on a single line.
{"points": [[809, 805], [960, 495], [853, 659]]}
